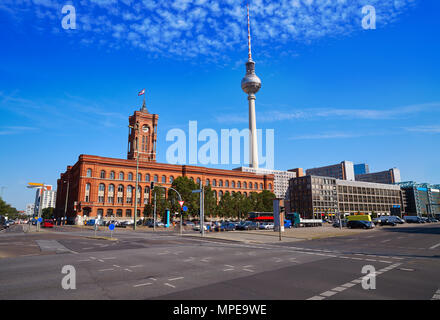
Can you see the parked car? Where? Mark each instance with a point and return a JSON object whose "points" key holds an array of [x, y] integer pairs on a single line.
{"points": [[91, 222], [413, 219], [47, 224], [336, 223], [228, 226], [247, 225], [360, 224], [197, 227], [432, 219], [384, 221]]}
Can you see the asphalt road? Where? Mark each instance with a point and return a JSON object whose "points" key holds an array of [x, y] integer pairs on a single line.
{"points": [[166, 266]]}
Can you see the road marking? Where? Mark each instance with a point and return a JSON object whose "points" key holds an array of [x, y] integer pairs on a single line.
{"points": [[405, 269], [105, 270], [436, 295], [350, 284], [169, 285], [434, 246], [87, 248], [84, 260], [162, 253], [143, 284], [230, 269], [386, 240], [110, 258], [174, 279], [128, 270], [138, 266], [227, 265]]}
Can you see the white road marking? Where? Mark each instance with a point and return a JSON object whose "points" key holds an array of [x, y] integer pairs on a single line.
{"points": [[349, 285], [110, 258], [434, 246], [248, 270], [143, 284], [436, 295], [138, 266], [169, 285], [386, 240], [174, 279], [105, 270]]}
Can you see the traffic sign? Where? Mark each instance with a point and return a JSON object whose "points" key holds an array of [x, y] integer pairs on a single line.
{"points": [[181, 203], [40, 220], [185, 208], [196, 191], [111, 227]]}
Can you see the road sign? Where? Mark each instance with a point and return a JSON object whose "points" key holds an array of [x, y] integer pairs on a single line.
{"points": [[181, 203], [197, 191], [40, 220], [185, 208], [111, 227]]}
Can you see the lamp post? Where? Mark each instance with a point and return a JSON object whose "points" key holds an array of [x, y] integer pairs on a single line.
{"points": [[42, 187], [67, 198]]}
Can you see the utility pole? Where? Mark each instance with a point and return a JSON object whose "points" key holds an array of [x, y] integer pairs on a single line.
{"points": [[154, 213], [67, 198]]}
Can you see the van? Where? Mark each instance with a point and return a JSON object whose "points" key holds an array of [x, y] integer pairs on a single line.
{"points": [[359, 218], [413, 219]]}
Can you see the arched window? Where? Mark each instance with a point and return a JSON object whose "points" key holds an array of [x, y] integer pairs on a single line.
{"points": [[120, 194], [270, 186], [156, 178], [109, 213], [261, 186], [227, 184], [128, 213], [198, 181], [207, 182], [220, 183], [89, 173], [139, 177], [215, 194], [245, 194], [121, 176], [87, 195], [220, 194], [171, 179], [130, 176], [164, 179], [101, 193], [102, 174], [214, 183], [146, 195], [245, 185], [147, 177], [119, 213], [111, 193], [250, 185], [239, 185], [255, 185], [112, 175], [129, 194], [233, 184]]}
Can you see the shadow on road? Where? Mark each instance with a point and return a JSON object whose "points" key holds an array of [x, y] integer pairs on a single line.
{"points": [[419, 230]]}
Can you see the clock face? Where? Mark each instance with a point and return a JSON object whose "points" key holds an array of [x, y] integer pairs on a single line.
{"points": [[145, 128]]}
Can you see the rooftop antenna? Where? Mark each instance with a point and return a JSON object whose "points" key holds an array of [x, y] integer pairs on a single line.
{"points": [[249, 34]]}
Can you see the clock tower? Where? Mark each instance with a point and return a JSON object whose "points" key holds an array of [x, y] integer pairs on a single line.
{"points": [[142, 135]]}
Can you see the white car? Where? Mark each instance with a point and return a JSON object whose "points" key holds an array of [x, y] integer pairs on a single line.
{"points": [[197, 228]]}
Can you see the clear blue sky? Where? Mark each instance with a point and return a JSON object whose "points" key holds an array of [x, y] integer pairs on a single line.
{"points": [[331, 90]]}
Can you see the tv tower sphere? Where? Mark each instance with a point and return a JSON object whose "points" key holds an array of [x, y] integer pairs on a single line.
{"points": [[250, 84]]}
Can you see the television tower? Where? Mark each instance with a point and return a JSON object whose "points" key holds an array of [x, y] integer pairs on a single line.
{"points": [[251, 84]]}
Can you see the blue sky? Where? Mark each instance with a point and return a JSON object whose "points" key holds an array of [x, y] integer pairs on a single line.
{"points": [[332, 91]]}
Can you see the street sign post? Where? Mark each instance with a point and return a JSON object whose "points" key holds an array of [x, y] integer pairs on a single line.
{"points": [[111, 227]]}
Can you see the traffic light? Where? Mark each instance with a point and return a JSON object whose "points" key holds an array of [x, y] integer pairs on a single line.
{"points": [[282, 209], [152, 185]]}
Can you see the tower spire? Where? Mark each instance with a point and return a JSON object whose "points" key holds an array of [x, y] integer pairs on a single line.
{"points": [[249, 34]]}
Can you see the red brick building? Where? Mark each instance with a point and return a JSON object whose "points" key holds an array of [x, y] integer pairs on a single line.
{"points": [[106, 186]]}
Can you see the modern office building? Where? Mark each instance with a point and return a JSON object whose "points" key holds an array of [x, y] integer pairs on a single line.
{"points": [[342, 171], [390, 176], [281, 179], [421, 199], [361, 168], [314, 196], [48, 201]]}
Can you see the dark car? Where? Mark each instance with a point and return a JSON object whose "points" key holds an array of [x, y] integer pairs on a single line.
{"points": [[432, 220], [226, 226], [385, 221], [248, 225], [413, 219], [359, 224], [336, 223]]}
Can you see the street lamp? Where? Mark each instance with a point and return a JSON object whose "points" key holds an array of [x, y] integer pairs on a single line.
{"points": [[67, 198], [42, 187]]}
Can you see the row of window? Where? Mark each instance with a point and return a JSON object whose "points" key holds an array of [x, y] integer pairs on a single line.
{"points": [[208, 182], [129, 194]]}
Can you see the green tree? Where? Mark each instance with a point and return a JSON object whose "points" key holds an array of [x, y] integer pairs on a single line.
{"points": [[9, 211], [47, 213], [185, 186]]}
